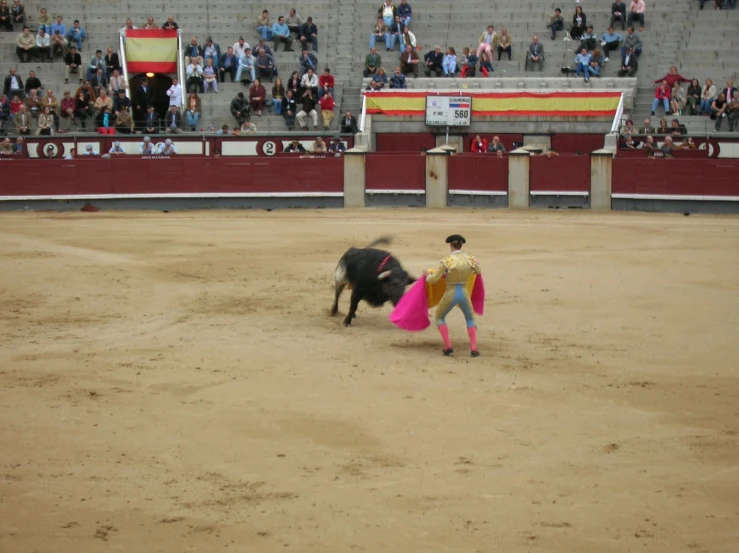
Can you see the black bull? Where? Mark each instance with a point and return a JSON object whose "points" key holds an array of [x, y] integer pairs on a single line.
{"points": [[373, 275]]}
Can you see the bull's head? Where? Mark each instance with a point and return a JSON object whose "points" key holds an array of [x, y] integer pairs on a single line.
{"points": [[394, 283]]}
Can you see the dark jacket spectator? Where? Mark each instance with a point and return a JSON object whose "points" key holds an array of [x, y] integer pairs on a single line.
{"points": [[112, 63], [349, 123], [31, 83], [240, 109]]}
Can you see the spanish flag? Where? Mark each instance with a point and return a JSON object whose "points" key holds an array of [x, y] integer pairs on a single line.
{"points": [[151, 50], [492, 104]]}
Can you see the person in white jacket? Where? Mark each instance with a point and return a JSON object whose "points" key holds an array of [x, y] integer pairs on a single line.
{"points": [[43, 43], [175, 93]]}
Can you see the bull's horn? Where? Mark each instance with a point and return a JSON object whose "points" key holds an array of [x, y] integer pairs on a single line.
{"points": [[383, 275]]}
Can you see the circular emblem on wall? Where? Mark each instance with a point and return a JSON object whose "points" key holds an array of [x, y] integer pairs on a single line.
{"points": [[49, 150], [269, 148]]}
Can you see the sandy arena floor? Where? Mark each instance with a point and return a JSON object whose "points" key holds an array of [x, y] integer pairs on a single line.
{"points": [[172, 382]]}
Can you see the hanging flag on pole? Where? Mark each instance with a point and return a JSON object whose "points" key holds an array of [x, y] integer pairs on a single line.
{"points": [[151, 50]]}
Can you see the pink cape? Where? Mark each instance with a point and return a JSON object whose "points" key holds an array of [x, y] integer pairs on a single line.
{"points": [[412, 311]]}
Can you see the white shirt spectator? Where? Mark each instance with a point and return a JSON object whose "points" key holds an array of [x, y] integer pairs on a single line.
{"points": [[116, 149], [194, 70], [166, 148], [239, 49], [89, 151], [147, 148], [175, 95], [43, 41], [309, 81]]}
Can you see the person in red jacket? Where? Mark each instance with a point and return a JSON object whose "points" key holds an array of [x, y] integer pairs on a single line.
{"points": [[662, 94], [327, 109], [672, 77], [325, 83], [479, 145]]}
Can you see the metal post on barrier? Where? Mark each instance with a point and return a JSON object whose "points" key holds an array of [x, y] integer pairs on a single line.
{"points": [[364, 113], [122, 43], [616, 126]]}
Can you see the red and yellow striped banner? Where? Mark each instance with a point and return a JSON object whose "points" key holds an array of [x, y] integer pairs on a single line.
{"points": [[552, 104], [151, 50]]}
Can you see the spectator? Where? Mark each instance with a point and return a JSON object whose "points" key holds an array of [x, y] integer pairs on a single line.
{"points": [[672, 77], [450, 62], [67, 108], [212, 51], [4, 107], [193, 110], [72, 154], [535, 54], [45, 123], [43, 45], [264, 25], [105, 121], [309, 33], [349, 123], [294, 22], [372, 86], [96, 62], [22, 121], [289, 109], [45, 20], [408, 38], [150, 24], [309, 82], [733, 113], [694, 97], [143, 97], [372, 62], [380, 79], [395, 33], [647, 128], [582, 64], [404, 11], [336, 146], [409, 61], [72, 63], [579, 23], [469, 67], [325, 83], [308, 109], [25, 46], [618, 13], [628, 143], [433, 61], [266, 65], [319, 146], [104, 101], [281, 34], [17, 13], [240, 109], [486, 66], [295, 147], [628, 129], [496, 146], [596, 62], [170, 25], [397, 79], [687, 144], [99, 82], [116, 150], [307, 61], [629, 64], [194, 76], [479, 145], [246, 128], [124, 121], [263, 46], [15, 105], [120, 101], [678, 129], [175, 93], [116, 83], [112, 63], [151, 121], [173, 121], [667, 146], [379, 32], [663, 128], [278, 93], [293, 84], [486, 41], [33, 103], [193, 51], [387, 12], [257, 96], [210, 76], [228, 65], [636, 12], [77, 35], [610, 42], [13, 85], [58, 44], [146, 148], [128, 26], [327, 110], [588, 39], [247, 63], [504, 44], [6, 148], [730, 91], [556, 23], [718, 110], [633, 41], [89, 151], [6, 20], [662, 95]]}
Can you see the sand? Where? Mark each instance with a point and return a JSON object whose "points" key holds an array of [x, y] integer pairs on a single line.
{"points": [[172, 382]]}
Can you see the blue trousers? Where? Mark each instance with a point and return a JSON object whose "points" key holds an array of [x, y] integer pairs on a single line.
{"points": [[666, 103], [455, 296]]}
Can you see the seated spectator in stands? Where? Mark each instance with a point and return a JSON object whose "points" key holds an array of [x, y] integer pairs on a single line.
{"points": [[96, 62], [124, 121], [13, 85], [25, 46], [628, 143], [194, 76], [349, 123], [405, 12], [628, 128], [67, 108], [33, 103], [6, 20], [264, 25], [479, 145], [59, 26], [719, 108], [672, 77], [146, 148], [294, 22], [22, 121], [170, 25], [248, 65], [281, 34], [240, 108], [708, 95], [15, 105], [4, 108], [596, 62], [395, 32], [173, 120], [618, 13], [120, 101], [535, 55], [278, 94], [246, 128], [610, 42], [372, 86], [6, 148], [295, 147], [326, 83], [307, 61], [387, 12], [379, 32], [327, 110], [629, 64], [116, 150], [408, 38], [309, 82], [556, 23], [17, 13], [579, 23], [504, 44], [588, 38], [496, 146], [409, 61], [72, 154], [633, 41], [647, 128], [104, 101], [89, 151], [433, 61], [733, 114], [228, 65], [105, 121], [58, 45], [76, 35], [193, 51], [318, 146], [45, 20], [450, 62], [175, 93], [150, 23], [192, 110], [687, 144], [486, 41], [372, 62], [45, 125], [309, 33], [212, 51], [266, 65], [166, 148], [649, 145], [636, 13], [43, 45], [210, 76], [469, 62], [380, 78], [336, 146], [289, 109], [667, 148], [72, 63], [151, 121], [128, 26], [677, 99], [257, 97], [662, 95], [308, 108], [731, 92], [112, 63], [663, 128], [32, 82], [99, 82], [678, 129], [397, 79]]}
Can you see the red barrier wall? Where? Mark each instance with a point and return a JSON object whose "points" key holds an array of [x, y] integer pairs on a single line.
{"points": [[563, 173], [677, 154], [573, 143], [404, 142], [181, 175], [690, 177], [395, 171], [483, 172]]}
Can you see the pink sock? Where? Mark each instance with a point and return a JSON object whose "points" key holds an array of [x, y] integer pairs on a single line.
{"points": [[444, 331], [472, 332]]}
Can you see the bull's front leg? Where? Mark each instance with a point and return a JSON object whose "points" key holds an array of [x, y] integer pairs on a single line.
{"points": [[356, 298]]}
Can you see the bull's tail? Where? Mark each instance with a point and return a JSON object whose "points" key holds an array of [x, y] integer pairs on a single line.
{"points": [[385, 240]]}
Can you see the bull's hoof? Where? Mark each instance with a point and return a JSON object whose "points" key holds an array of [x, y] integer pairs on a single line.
{"points": [[475, 353], [448, 351], [348, 321], [334, 311]]}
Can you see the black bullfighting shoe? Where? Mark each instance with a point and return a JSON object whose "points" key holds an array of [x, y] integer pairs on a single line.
{"points": [[475, 353], [448, 351]]}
